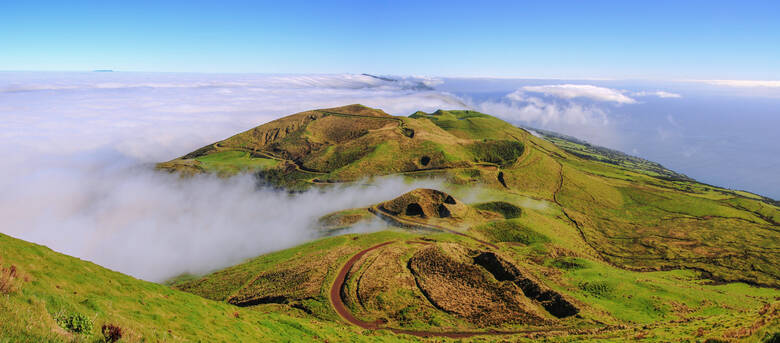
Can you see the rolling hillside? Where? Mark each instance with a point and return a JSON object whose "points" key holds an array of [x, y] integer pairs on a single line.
{"points": [[507, 272], [50, 292], [564, 236], [527, 238], [636, 219]]}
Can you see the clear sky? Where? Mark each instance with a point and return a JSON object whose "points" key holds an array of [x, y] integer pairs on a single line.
{"points": [[558, 39]]}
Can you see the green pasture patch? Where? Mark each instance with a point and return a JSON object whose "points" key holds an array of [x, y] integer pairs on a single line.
{"points": [[503, 208], [511, 231], [501, 152], [234, 161]]}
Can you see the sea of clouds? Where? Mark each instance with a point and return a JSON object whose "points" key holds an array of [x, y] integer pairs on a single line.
{"points": [[79, 148]]}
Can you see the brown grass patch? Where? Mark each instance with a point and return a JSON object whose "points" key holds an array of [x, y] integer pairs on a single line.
{"points": [[466, 290], [336, 129], [426, 203], [9, 277], [111, 333], [289, 282]]}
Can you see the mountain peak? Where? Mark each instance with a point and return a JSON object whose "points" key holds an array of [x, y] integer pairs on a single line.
{"points": [[357, 109]]}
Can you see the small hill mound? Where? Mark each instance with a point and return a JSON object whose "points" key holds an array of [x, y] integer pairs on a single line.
{"points": [[426, 203], [472, 125], [352, 142], [358, 109]]}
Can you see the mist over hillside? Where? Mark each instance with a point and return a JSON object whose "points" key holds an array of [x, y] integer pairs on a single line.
{"points": [[78, 149]]}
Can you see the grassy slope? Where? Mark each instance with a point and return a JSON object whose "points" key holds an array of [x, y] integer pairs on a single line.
{"points": [[223, 162], [636, 213], [663, 306], [232, 162], [319, 260], [644, 222], [146, 311], [609, 156], [660, 306]]}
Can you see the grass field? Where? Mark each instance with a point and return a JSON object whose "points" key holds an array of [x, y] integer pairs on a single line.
{"points": [[233, 162]]}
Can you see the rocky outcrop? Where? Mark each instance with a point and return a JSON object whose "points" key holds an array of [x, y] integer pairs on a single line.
{"points": [[502, 270], [426, 203]]}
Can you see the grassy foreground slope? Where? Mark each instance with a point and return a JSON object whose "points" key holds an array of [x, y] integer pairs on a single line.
{"points": [[49, 286], [407, 284]]}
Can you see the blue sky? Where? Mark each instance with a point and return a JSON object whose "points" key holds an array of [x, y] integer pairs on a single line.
{"points": [[568, 39]]}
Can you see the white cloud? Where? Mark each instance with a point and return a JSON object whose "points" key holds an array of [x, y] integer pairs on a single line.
{"points": [[535, 110], [571, 91], [660, 94], [77, 151], [26, 82], [154, 117], [586, 121], [743, 83], [429, 81], [536, 134], [565, 108]]}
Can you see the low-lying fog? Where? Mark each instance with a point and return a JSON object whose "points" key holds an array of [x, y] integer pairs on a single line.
{"points": [[78, 149]]}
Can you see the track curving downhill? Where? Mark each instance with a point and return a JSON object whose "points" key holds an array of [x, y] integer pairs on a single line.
{"points": [[337, 302]]}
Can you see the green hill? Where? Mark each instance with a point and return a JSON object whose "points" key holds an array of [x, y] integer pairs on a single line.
{"points": [[558, 228], [351, 142], [635, 218], [528, 238]]}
